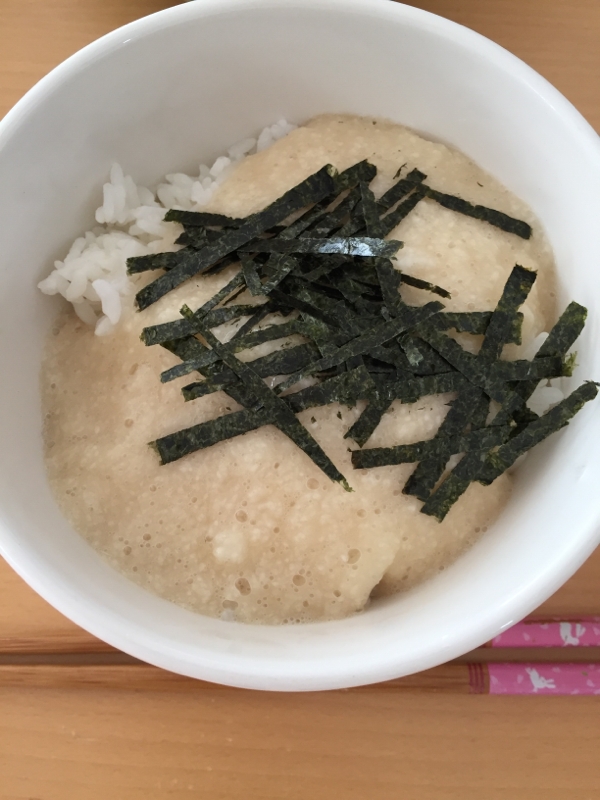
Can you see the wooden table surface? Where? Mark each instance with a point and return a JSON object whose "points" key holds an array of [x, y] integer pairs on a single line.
{"points": [[80, 722]]}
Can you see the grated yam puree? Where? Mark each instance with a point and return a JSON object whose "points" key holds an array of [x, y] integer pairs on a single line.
{"points": [[251, 529]]}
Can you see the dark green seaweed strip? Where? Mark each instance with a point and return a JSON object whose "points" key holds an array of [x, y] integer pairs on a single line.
{"points": [[400, 189], [490, 215], [279, 267], [362, 344], [456, 484], [221, 264], [346, 389], [198, 237], [423, 359], [219, 316], [362, 246], [476, 322], [564, 334], [361, 172], [423, 480], [280, 362], [482, 439], [363, 272], [365, 425], [193, 365], [414, 354], [291, 302], [370, 211], [285, 361], [237, 282], [177, 445], [320, 216], [279, 413], [311, 190], [334, 314], [326, 266], [536, 370], [501, 327], [336, 218], [402, 210], [271, 333], [354, 295], [389, 281], [252, 322], [167, 261], [193, 391], [390, 355], [202, 219], [250, 274], [472, 367], [465, 321], [560, 340], [409, 280], [555, 419], [189, 348], [166, 332], [409, 391]]}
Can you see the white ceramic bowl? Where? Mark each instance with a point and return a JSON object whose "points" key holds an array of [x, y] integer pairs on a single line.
{"points": [[177, 87]]}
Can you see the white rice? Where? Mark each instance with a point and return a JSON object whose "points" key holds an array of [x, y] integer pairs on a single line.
{"points": [[93, 275]]}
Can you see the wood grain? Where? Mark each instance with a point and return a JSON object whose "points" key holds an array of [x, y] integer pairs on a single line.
{"points": [[232, 745], [130, 732], [453, 678]]}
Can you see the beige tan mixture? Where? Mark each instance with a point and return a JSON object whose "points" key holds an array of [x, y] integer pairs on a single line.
{"points": [[251, 529]]}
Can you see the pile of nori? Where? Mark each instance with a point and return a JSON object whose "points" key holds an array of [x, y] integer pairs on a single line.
{"points": [[329, 278]]}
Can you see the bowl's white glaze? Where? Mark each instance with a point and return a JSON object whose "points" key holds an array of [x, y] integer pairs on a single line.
{"points": [[174, 88]]}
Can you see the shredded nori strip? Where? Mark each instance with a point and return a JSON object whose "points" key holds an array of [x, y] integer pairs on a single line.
{"points": [[235, 283], [409, 280], [423, 359], [490, 215], [331, 267], [370, 211], [365, 425], [536, 370], [465, 321], [250, 274], [456, 484], [277, 267], [474, 369], [482, 439], [363, 246], [202, 219], [179, 328], [401, 189], [280, 413], [537, 431], [198, 237], [389, 281], [402, 210], [177, 445], [346, 389], [423, 480], [363, 343], [167, 261], [560, 340], [311, 190], [501, 328]]}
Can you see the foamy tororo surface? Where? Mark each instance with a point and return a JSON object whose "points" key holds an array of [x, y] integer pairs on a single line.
{"points": [[251, 529]]}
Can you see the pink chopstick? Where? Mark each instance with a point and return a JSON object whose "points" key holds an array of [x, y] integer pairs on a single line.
{"points": [[582, 632]]}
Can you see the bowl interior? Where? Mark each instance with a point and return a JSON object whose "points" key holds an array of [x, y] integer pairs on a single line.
{"points": [[177, 88]]}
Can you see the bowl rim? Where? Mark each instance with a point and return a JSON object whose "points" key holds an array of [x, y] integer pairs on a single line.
{"points": [[91, 615]]}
